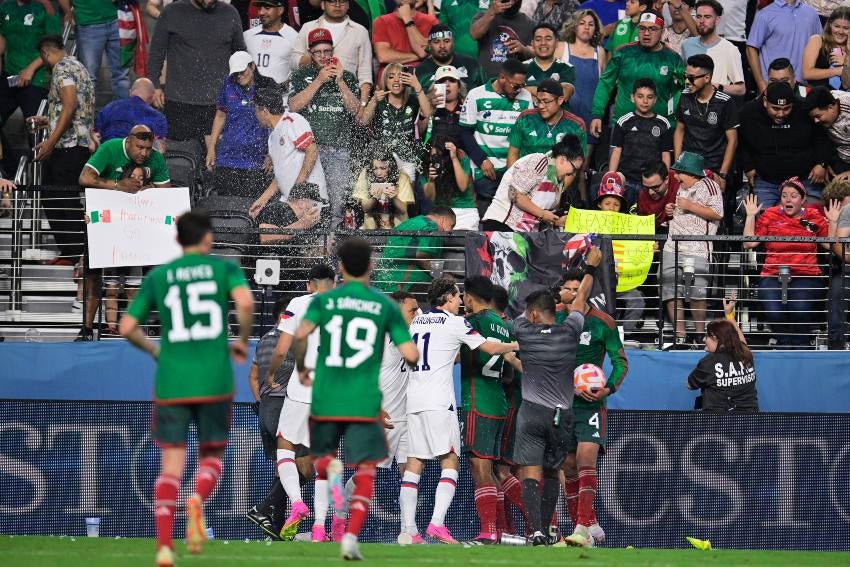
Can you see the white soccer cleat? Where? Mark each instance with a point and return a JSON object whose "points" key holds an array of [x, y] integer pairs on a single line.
{"points": [[597, 533], [349, 550], [580, 537], [164, 557]]}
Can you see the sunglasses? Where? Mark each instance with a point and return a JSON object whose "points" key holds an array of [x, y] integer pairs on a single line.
{"points": [[693, 78], [541, 102], [654, 188]]}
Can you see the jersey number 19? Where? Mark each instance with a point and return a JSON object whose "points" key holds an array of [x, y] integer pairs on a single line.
{"points": [[364, 345]]}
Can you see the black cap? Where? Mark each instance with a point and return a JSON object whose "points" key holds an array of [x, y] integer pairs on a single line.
{"points": [[272, 3], [551, 86], [779, 93], [440, 31]]}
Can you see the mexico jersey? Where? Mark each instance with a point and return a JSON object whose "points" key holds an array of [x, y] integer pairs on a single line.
{"points": [[271, 51], [287, 143], [393, 382], [493, 115], [438, 336], [289, 322]]}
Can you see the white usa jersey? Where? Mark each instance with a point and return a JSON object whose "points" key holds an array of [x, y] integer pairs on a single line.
{"points": [[438, 336], [289, 322], [393, 382], [272, 51]]}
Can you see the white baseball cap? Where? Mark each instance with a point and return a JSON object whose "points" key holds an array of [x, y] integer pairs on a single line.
{"points": [[447, 71], [239, 61]]}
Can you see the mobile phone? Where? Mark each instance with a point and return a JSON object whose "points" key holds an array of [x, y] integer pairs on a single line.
{"points": [[13, 80], [334, 61], [407, 69]]}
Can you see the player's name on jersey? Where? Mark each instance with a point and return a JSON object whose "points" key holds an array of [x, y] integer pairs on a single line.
{"points": [[433, 318], [190, 273], [354, 304]]}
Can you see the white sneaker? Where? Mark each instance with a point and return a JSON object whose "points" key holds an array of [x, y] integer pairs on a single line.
{"points": [[597, 533], [77, 306], [580, 537], [349, 550]]}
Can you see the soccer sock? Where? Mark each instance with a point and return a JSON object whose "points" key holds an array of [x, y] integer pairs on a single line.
{"points": [[444, 495], [321, 501], [531, 498], [288, 473], [165, 504], [586, 495], [349, 491], [408, 496], [513, 494], [501, 517], [206, 479], [549, 501], [364, 484], [486, 501], [571, 494], [274, 504]]}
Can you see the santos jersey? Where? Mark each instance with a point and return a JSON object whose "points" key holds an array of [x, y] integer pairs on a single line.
{"points": [[481, 374], [289, 323], [393, 382], [353, 321], [438, 336], [191, 295]]}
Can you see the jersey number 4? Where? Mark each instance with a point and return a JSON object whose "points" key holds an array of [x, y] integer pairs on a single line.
{"points": [[196, 306], [360, 335]]}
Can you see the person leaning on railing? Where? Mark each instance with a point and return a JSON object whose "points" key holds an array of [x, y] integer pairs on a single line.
{"points": [[726, 375], [836, 198], [791, 264]]}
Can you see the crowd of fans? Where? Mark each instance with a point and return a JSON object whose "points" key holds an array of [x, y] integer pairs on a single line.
{"points": [[461, 114]]}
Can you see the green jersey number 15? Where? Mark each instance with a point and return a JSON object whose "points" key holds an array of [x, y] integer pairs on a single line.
{"points": [[196, 306]]}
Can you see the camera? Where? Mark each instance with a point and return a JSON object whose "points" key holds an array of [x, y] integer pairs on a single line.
{"points": [[267, 272]]}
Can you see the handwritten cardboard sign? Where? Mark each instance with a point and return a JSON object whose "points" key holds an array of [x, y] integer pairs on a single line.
{"points": [[126, 229]]}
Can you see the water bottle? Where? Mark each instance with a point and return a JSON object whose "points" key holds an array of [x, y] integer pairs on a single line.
{"points": [[510, 539]]}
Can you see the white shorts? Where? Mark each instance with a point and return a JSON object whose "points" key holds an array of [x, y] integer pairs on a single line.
{"points": [[432, 434], [294, 423], [396, 445], [467, 219]]}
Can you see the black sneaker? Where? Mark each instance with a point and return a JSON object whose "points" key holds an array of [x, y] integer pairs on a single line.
{"points": [[84, 335], [262, 522], [554, 535], [538, 539], [481, 541]]}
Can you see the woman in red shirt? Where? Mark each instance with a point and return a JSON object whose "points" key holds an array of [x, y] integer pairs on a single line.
{"points": [[791, 320]]}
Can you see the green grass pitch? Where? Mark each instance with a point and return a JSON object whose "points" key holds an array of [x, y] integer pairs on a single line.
{"points": [[30, 551]]}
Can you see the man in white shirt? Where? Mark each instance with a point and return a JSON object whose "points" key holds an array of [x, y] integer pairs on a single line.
{"points": [[351, 44], [728, 76], [271, 43], [432, 424], [294, 152], [293, 430]]}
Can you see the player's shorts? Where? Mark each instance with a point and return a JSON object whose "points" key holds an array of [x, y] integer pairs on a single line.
{"points": [[294, 422], [132, 276], [482, 435], [506, 452], [268, 417], [538, 440], [432, 434], [396, 445], [670, 277], [364, 440], [171, 424], [589, 426]]}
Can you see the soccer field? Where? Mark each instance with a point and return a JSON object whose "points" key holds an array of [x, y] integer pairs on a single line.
{"points": [[30, 551]]}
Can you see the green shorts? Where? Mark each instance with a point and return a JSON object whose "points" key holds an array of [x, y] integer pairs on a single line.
{"points": [[506, 452], [482, 435], [590, 426], [365, 441], [171, 424]]}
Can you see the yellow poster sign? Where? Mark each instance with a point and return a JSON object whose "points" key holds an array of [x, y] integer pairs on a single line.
{"points": [[632, 258]]}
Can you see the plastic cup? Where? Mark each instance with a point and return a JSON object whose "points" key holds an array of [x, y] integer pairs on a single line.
{"points": [[440, 88], [93, 527]]}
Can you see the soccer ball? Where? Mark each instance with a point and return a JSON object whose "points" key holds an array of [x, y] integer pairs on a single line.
{"points": [[576, 247], [588, 378]]}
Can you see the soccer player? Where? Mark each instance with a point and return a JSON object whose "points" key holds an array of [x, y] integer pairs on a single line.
{"points": [[353, 321], [293, 430], [194, 378], [510, 491], [433, 431], [599, 335], [484, 403]]}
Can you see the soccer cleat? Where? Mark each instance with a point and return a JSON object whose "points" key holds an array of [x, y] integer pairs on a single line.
{"points": [[336, 487], [164, 557], [405, 538], [196, 526], [440, 533], [597, 533], [580, 537], [349, 550], [290, 526], [554, 535], [482, 539], [538, 539], [318, 534], [337, 528], [262, 522]]}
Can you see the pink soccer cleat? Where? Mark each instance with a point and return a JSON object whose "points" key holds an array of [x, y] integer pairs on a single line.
{"points": [[290, 527], [318, 534], [440, 533], [338, 526]]}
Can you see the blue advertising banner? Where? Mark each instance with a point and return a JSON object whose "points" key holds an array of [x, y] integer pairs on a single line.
{"points": [[773, 481]]}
